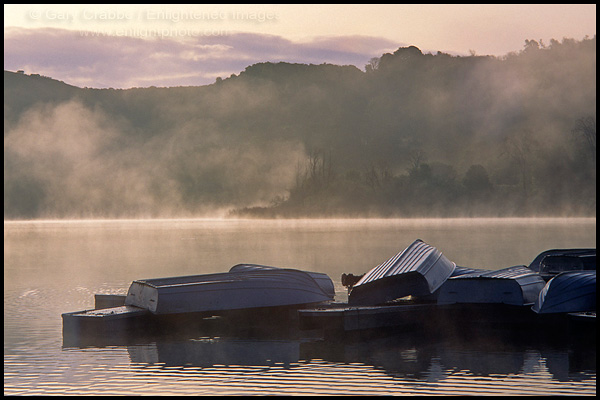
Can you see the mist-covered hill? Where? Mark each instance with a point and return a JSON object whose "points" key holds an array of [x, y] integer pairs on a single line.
{"points": [[413, 135]]}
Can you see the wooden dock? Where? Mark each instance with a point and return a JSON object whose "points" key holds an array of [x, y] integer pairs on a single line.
{"points": [[338, 318], [113, 322]]}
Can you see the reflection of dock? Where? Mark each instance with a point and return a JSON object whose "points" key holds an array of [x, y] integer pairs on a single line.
{"points": [[398, 355], [206, 352]]}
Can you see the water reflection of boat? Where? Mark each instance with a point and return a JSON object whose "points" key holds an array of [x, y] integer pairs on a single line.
{"points": [[399, 356], [436, 358], [207, 352], [406, 355]]}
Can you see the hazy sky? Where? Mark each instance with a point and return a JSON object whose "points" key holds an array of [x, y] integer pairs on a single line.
{"points": [[124, 46]]}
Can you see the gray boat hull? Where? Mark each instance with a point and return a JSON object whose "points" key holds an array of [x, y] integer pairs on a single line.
{"points": [[516, 286], [243, 288], [419, 270]]}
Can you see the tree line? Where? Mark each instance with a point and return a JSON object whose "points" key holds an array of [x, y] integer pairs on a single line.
{"points": [[412, 134]]}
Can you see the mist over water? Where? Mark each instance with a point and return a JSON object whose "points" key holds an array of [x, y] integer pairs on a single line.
{"points": [[71, 161]]}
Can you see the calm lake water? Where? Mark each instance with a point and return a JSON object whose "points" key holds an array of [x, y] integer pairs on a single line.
{"points": [[53, 267]]}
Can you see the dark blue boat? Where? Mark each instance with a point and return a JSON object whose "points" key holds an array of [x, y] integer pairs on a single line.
{"points": [[568, 292]]}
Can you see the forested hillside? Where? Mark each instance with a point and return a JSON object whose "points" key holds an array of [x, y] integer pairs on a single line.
{"points": [[412, 135]]}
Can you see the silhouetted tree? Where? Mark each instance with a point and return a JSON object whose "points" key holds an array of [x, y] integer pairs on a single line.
{"points": [[372, 65], [476, 180], [531, 45], [519, 149], [585, 130], [377, 174]]}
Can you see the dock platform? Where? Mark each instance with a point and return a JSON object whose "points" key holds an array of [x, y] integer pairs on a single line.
{"points": [[337, 317], [340, 319]]}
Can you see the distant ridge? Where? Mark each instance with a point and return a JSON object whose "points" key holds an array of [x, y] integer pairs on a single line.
{"points": [[429, 135]]}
